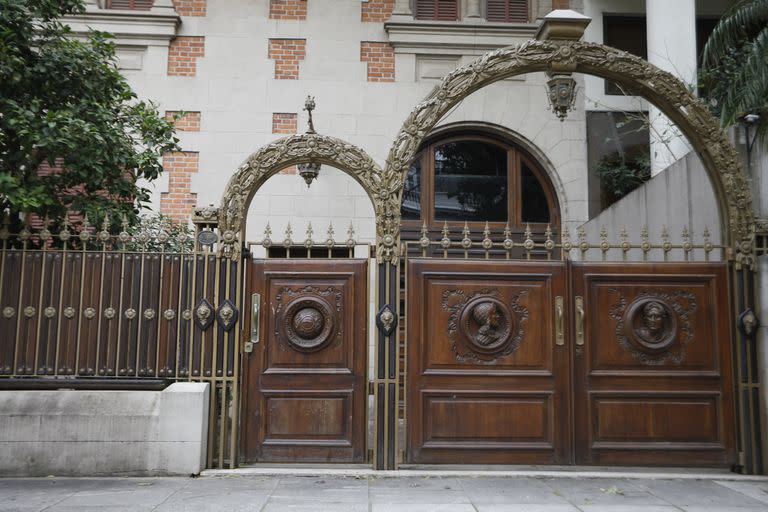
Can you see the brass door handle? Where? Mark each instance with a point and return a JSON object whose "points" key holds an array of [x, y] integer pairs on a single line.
{"points": [[255, 322], [579, 320], [559, 322]]}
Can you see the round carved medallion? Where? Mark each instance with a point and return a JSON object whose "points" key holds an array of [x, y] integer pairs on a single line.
{"points": [[308, 323], [487, 323], [650, 324]]}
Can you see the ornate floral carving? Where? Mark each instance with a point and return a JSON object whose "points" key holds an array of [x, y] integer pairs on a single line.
{"points": [[8, 312], [49, 312], [656, 326], [308, 318], [386, 320], [69, 312], [482, 326], [383, 189], [660, 87]]}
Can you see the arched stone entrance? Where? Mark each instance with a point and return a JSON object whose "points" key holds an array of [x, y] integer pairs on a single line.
{"points": [[662, 89], [385, 186]]}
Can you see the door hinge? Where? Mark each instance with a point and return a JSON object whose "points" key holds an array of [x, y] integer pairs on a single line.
{"points": [[371, 387]]}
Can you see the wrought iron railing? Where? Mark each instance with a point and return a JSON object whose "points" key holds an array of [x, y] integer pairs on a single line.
{"points": [[90, 305]]}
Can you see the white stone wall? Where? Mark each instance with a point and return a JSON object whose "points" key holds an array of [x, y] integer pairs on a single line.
{"points": [[92, 433], [236, 94]]}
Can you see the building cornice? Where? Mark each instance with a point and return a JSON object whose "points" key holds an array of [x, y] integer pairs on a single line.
{"points": [[417, 36], [130, 28]]}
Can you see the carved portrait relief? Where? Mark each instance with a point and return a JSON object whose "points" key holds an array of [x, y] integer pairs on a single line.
{"points": [[656, 326], [482, 326]]}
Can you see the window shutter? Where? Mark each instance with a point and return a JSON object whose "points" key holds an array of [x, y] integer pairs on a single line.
{"points": [[441, 10], [130, 5], [508, 11]]}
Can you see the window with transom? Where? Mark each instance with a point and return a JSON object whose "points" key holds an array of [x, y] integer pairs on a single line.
{"points": [[476, 178]]}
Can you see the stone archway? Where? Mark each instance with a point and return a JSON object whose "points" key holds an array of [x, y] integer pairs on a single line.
{"points": [[383, 189], [662, 89]]}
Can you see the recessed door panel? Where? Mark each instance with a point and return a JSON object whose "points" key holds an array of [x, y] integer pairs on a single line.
{"points": [[305, 379], [487, 372], [652, 372]]}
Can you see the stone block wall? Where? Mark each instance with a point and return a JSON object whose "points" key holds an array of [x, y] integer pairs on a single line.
{"points": [[100, 433]]}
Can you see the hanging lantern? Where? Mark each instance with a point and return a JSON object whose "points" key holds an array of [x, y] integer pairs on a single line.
{"points": [[309, 171], [562, 94]]}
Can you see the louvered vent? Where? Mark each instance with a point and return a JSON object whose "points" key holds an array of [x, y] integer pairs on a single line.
{"points": [[130, 5], [441, 10], [509, 11]]}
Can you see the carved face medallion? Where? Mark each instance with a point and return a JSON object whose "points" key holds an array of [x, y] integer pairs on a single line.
{"points": [[307, 323], [487, 323], [651, 325]]}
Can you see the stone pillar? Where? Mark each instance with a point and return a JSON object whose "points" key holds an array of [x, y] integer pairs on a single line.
{"points": [[761, 339], [402, 9], [473, 10], [671, 47]]}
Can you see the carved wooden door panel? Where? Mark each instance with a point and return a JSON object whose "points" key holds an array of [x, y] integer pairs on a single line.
{"points": [[305, 379], [653, 375], [487, 374]]}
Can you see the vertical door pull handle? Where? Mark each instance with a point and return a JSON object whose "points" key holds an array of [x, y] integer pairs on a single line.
{"points": [[580, 320], [559, 323], [255, 321]]}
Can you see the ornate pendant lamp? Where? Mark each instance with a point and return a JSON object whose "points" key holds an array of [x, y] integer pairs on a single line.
{"points": [[309, 171]]}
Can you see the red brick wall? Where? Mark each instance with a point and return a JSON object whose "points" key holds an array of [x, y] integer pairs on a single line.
{"points": [[190, 7], [183, 54], [179, 201], [287, 53], [189, 122], [381, 61], [285, 123], [376, 11], [561, 4], [288, 9]]}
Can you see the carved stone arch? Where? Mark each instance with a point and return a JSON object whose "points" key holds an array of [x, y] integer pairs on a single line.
{"points": [[518, 139], [661, 88], [384, 190]]}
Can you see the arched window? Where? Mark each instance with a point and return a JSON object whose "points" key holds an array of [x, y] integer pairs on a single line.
{"points": [[475, 177]]}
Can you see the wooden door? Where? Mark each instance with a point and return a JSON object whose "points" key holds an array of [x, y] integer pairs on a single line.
{"points": [[653, 376], [305, 379], [487, 375]]}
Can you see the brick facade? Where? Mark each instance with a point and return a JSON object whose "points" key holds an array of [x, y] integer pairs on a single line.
{"points": [[381, 60], [189, 122], [376, 11], [179, 201], [288, 9], [183, 54], [190, 7], [561, 4], [285, 123], [287, 53]]}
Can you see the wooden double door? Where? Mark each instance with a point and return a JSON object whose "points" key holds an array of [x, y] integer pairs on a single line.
{"points": [[523, 362], [305, 361]]}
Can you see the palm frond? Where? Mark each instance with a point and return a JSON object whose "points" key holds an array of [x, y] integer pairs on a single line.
{"points": [[749, 89], [741, 22]]}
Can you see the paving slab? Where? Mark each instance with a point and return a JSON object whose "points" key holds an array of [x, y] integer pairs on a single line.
{"points": [[366, 493]]}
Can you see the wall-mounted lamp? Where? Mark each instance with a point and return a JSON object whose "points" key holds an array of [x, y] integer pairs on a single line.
{"points": [[748, 121]]}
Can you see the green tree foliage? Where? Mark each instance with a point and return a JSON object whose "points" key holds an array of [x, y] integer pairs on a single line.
{"points": [[63, 101], [735, 63]]}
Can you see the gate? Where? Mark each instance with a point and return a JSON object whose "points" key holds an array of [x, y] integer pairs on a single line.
{"points": [[305, 359], [515, 356]]}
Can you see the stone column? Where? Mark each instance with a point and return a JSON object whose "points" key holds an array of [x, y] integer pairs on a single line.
{"points": [[671, 30], [761, 339], [473, 10], [402, 9]]}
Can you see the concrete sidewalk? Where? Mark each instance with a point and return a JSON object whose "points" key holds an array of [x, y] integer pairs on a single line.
{"points": [[236, 493]]}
